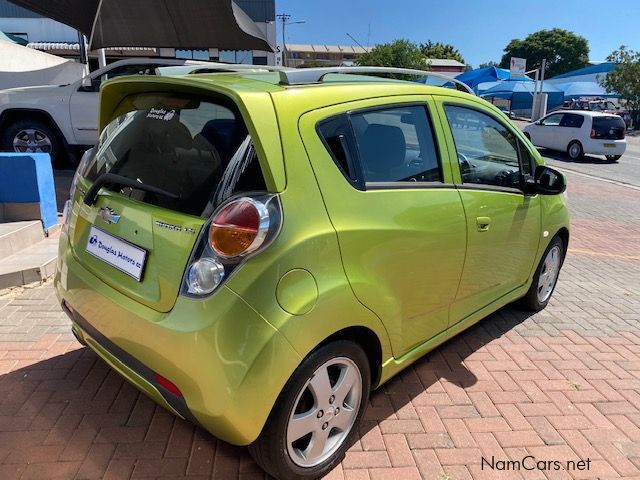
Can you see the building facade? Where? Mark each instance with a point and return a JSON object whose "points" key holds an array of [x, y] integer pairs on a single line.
{"points": [[306, 55], [298, 55], [53, 37]]}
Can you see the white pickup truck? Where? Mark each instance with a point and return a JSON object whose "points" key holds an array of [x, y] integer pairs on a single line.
{"points": [[63, 120]]}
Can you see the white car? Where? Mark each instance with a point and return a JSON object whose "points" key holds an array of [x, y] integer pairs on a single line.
{"points": [[63, 119], [579, 132]]}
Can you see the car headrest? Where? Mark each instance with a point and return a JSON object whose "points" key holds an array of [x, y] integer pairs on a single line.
{"points": [[167, 135], [383, 148]]}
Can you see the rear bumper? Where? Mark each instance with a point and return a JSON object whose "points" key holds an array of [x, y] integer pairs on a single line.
{"points": [[597, 147], [127, 366], [228, 362]]}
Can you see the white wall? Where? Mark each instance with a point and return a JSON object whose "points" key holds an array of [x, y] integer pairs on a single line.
{"points": [[39, 29]]}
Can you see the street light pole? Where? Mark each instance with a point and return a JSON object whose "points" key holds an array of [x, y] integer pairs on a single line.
{"points": [[284, 17]]}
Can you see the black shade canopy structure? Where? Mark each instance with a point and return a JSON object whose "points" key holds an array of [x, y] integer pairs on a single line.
{"points": [[188, 24]]}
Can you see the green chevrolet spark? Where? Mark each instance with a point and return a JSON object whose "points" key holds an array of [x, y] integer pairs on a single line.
{"points": [[257, 251]]}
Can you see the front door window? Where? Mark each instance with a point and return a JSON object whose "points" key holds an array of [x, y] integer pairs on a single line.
{"points": [[487, 150]]}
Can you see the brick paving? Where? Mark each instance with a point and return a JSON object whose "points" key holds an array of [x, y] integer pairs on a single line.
{"points": [[563, 384]]}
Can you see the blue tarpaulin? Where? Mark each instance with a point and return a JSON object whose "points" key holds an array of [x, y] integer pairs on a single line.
{"points": [[584, 89], [473, 78], [520, 93]]}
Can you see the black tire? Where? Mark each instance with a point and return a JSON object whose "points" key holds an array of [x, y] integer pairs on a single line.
{"points": [[51, 141], [271, 451], [532, 301], [575, 150], [613, 158]]}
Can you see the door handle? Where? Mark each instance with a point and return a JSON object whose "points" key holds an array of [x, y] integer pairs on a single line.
{"points": [[483, 223]]}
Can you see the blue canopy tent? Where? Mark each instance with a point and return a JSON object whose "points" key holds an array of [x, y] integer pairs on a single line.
{"points": [[520, 93], [473, 78], [584, 89], [587, 74]]}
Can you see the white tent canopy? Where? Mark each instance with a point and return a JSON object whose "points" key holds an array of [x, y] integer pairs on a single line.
{"points": [[24, 67]]}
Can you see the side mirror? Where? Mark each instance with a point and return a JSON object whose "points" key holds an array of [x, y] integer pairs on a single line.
{"points": [[549, 181], [539, 122]]}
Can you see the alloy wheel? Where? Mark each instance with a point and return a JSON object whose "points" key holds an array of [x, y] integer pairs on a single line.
{"points": [[549, 274], [32, 140], [324, 412], [574, 150]]}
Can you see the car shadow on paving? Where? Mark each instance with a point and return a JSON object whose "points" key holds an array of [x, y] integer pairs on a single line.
{"points": [[72, 416], [562, 157]]}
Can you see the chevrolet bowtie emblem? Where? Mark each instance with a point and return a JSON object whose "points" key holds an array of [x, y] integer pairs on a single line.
{"points": [[109, 215]]}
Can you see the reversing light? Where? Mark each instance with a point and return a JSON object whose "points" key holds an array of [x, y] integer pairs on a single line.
{"points": [[239, 228], [204, 276]]}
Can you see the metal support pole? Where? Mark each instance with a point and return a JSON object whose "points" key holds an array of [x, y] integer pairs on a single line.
{"points": [[102, 58], [535, 98], [84, 57], [542, 111]]}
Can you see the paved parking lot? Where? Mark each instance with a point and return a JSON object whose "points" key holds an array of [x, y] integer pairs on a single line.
{"points": [[563, 384]]}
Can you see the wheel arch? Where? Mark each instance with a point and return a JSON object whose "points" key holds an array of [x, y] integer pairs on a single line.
{"points": [[368, 340], [563, 233], [575, 140], [16, 114]]}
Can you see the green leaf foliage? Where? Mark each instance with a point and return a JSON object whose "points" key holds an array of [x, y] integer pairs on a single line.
{"points": [[563, 50], [625, 79], [400, 53], [441, 51]]}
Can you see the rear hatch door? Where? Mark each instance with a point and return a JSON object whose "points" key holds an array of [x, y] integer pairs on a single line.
{"points": [[177, 149]]}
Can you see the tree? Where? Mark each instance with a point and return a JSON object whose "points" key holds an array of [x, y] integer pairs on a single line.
{"points": [[488, 64], [399, 53], [441, 51], [625, 79], [564, 51]]}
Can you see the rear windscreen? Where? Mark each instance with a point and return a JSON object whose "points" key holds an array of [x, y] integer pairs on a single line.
{"points": [[197, 151], [611, 128]]}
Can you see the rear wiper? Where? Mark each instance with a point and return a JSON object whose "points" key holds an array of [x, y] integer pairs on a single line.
{"points": [[114, 179]]}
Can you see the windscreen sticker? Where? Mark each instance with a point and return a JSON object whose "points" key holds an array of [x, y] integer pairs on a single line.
{"points": [[161, 114]]}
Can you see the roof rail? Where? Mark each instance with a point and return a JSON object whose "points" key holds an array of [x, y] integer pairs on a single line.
{"points": [[214, 67], [315, 75]]}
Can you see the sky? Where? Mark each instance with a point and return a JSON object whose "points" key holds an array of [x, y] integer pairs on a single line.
{"points": [[479, 30]]}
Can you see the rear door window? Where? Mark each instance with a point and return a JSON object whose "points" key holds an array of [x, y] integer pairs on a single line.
{"points": [[572, 120], [396, 145], [198, 150]]}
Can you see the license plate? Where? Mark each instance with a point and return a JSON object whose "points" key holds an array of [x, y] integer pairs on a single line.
{"points": [[118, 253], [609, 145]]}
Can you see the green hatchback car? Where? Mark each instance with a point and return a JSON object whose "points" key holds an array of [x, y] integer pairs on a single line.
{"points": [[256, 251]]}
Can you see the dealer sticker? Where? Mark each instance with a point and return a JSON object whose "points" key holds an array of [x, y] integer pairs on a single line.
{"points": [[122, 255]]}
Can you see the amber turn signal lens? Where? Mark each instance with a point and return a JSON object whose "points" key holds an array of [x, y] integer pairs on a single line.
{"points": [[235, 228]]}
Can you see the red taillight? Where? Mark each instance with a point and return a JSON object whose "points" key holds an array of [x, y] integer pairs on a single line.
{"points": [[239, 228], [168, 385], [593, 133]]}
